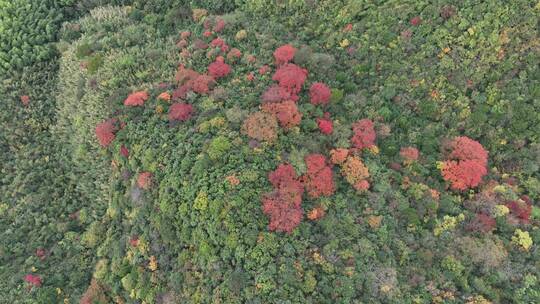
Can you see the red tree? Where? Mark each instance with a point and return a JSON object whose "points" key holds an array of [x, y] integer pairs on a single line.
{"points": [[291, 77], [276, 93], [325, 126], [521, 209], [463, 175], [318, 179], [464, 148], [105, 132], [33, 279], [319, 93], [466, 163], [144, 180], [283, 205], [218, 69], [284, 54], [180, 111], [409, 154], [286, 113], [363, 134], [136, 99]]}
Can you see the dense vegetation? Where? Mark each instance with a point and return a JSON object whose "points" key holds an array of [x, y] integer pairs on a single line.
{"points": [[269, 151]]}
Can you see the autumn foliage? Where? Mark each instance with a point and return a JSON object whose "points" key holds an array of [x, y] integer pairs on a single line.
{"points": [[261, 126], [283, 204], [136, 99], [319, 94], [276, 93], [355, 172], [291, 77], [520, 209], [105, 132], [180, 111], [466, 163], [409, 154], [33, 280], [319, 179], [325, 126], [286, 112], [284, 54], [144, 180], [363, 134], [218, 69]]}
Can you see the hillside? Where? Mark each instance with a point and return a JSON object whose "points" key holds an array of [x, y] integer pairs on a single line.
{"points": [[269, 151]]}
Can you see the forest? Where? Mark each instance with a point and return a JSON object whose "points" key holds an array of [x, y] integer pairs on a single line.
{"points": [[269, 151]]}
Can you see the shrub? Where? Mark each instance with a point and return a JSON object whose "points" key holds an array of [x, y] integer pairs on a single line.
{"points": [[363, 134], [319, 94]]}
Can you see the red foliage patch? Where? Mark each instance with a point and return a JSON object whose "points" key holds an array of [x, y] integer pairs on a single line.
{"points": [[319, 93], [218, 69], [181, 92], [283, 205], [276, 93], [234, 54], [520, 209], [180, 111], [124, 151], [220, 43], [220, 25], [136, 99], [325, 126], [463, 175], [291, 77], [203, 84], [105, 132], [482, 223], [338, 156], [409, 154], [464, 148], [25, 99], [144, 180], [286, 113], [363, 134], [318, 179], [466, 163], [416, 21], [284, 54], [32, 279]]}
